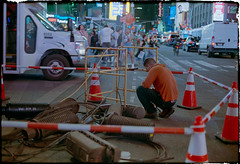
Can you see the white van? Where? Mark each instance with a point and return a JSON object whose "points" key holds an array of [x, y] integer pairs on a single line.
{"points": [[220, 38], [29, 39]]}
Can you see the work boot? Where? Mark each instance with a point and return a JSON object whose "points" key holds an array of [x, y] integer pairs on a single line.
{"points": [[151, 115], [166, 112]]}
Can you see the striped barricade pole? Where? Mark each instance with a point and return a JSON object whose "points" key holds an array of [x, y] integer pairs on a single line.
{"points": [[197, 150], [217, 107], [97, 128], [212, 81]]}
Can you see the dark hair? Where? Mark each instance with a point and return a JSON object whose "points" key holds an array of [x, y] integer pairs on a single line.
{"points": [[106, 25], [148, 60], [80, 26], [112, 28]]}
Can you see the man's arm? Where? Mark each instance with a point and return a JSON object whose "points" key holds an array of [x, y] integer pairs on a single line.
{"points": [[147, 83]]}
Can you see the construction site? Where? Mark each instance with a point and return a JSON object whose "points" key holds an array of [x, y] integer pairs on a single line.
{"points": [[106, 128]]}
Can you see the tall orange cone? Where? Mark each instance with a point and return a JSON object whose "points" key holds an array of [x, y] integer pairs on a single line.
{"points": [[95, 87], [3, 98], [231, 128], [189, 99], [197, 150]]}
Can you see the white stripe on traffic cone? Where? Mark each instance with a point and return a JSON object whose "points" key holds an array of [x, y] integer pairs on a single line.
{"points": [[197, 150]]}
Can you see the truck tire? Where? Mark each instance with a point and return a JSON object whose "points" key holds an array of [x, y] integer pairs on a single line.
{"points": [[199, 52], [55, 60]]}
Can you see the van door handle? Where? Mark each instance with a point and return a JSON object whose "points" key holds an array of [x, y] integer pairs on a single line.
{"points": [[228, 39]]}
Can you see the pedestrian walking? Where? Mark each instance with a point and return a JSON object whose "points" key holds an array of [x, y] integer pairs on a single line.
{"points": [[164, 94], [141, 52], [152, 43], [135, 42], [106, 34], [94, 40], [127, 41], [84, 34], [114, 39]]}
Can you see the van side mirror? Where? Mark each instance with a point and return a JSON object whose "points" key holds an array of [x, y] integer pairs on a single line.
{"points": [[70, 24]]}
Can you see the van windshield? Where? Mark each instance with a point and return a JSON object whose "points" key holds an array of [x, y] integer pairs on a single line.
{"points": [[47, 24]]}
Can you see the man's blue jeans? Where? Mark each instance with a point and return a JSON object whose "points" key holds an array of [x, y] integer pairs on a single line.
{"points": [[148, 96]]}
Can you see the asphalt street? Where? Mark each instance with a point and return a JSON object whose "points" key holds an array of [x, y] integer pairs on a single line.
{"points": [[31, 87]]}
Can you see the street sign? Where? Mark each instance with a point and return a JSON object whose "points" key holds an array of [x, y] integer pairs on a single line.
{"points": [[128, 19]]}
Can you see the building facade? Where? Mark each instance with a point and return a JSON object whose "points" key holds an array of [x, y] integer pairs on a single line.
{"points": [[201, 14]]}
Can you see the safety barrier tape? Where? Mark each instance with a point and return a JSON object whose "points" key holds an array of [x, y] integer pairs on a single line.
{"points": [[209, 115], [97, 128], [212, 81], [77, 68]]}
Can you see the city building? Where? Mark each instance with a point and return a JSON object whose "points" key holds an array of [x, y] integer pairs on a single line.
{"points": [[201, 14]]}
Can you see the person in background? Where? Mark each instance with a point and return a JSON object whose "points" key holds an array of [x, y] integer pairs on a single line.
{"points": [[142, 44], [139, 38], [127, 41], [114, 39], [84, 33], [135, 42], [94, 39], [152, 43], [105, 35], [164, 94]]}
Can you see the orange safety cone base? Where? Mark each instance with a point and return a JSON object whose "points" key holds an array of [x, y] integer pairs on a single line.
{"points": [[189, 108], [97, 101], [230, 131], [226, 141], [6, 98]]}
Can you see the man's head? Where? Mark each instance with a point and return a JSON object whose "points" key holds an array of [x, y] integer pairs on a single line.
{"points": [[119, 31], [149, 63]]}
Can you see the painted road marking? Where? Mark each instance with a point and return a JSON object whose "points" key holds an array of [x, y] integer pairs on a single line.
{"points": [[171, 64]]}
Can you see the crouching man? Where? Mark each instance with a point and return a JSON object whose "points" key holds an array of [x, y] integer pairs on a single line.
{"points": [[164, 94]]}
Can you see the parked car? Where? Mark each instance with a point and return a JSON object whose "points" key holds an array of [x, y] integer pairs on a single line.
{"points": [[219, 38], [191, 44]]}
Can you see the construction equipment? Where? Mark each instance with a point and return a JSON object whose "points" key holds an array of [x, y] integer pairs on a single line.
{"points": [[87, 147], [114, 119]]}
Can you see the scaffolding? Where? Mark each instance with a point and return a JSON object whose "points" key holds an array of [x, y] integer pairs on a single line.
{"points": [[113, 72]]}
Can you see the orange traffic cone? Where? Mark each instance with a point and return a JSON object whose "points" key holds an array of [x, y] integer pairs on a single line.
{"points": [[95, 87], [197, 150], [189, 99], [3, 98], [230, 128]]}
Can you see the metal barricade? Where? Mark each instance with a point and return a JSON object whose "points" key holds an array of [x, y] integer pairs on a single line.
{"points": [[107, 72]]}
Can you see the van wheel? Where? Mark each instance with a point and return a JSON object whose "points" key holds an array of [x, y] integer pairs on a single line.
{"points": [[199, 52], [55, 60], [209, 54]]}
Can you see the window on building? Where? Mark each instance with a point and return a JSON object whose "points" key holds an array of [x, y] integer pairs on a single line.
{"points": [[232, 9]]}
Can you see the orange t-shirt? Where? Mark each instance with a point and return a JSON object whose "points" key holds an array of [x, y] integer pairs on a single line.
{"points": [[163, 81]]}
